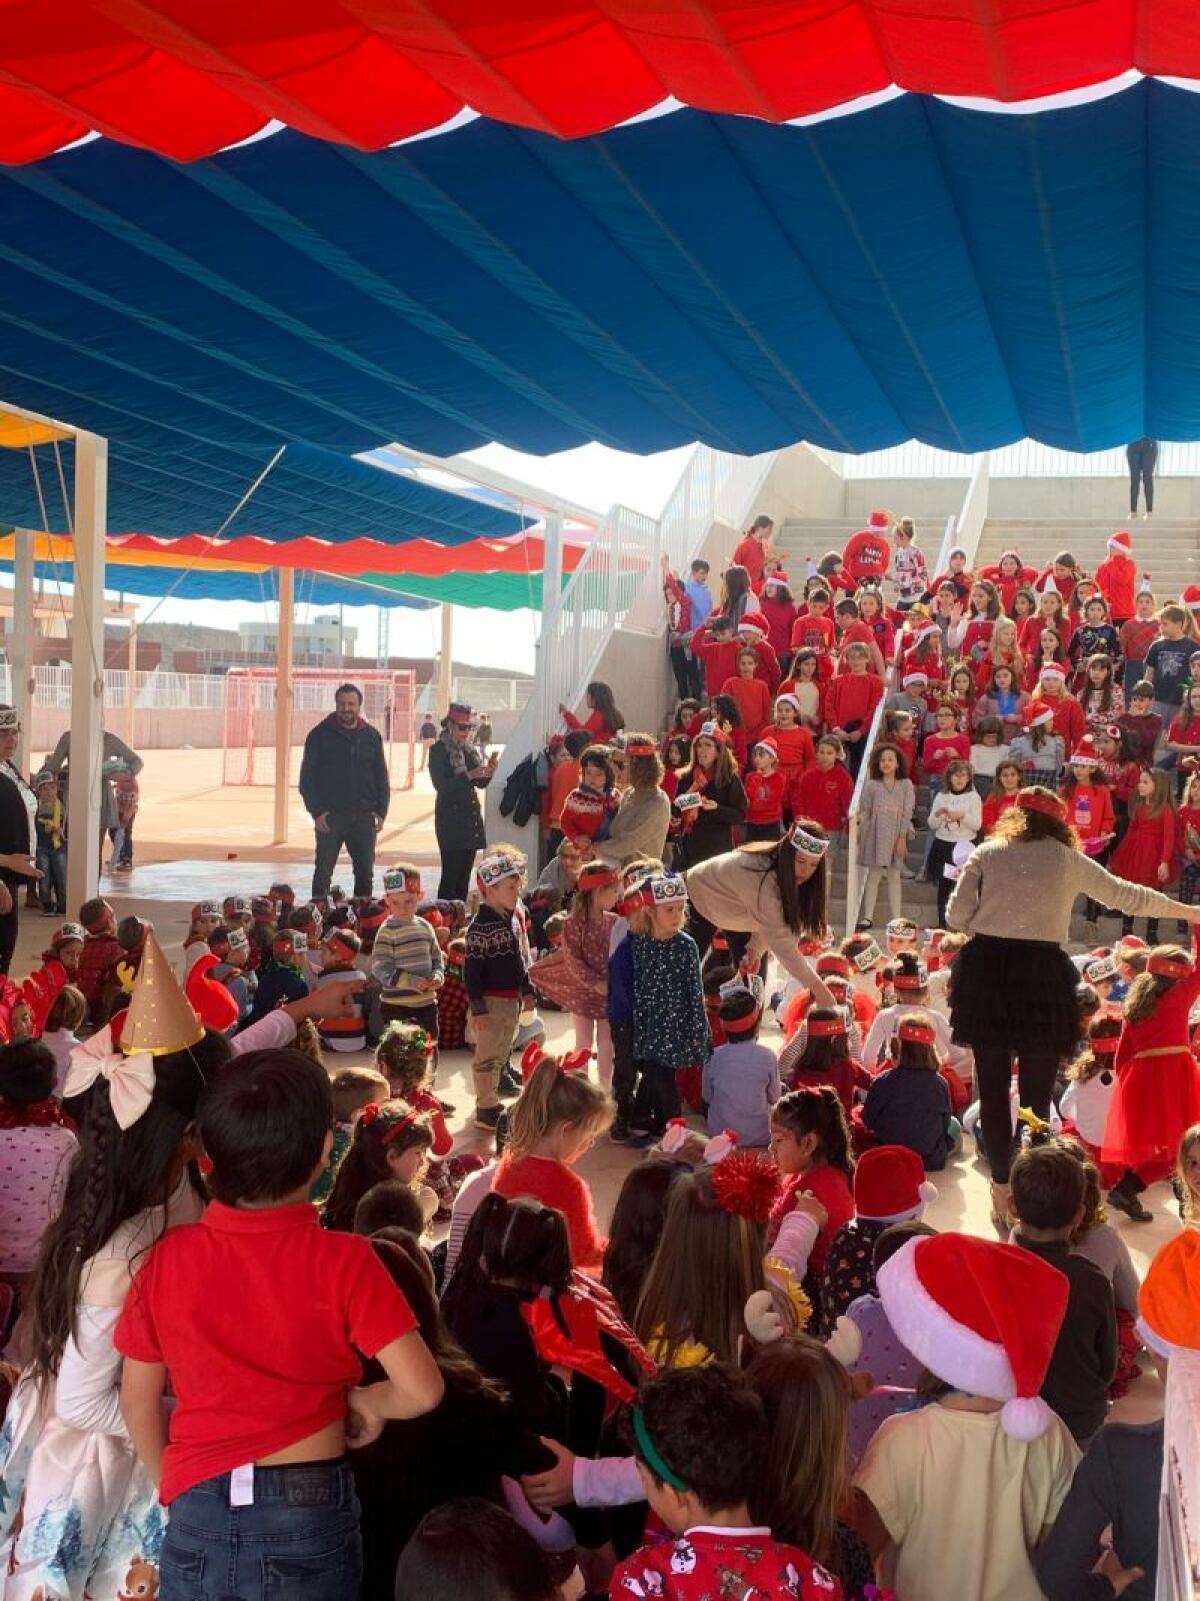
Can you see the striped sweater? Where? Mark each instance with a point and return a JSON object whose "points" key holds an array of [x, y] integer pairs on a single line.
{"points": [[405, 952]]}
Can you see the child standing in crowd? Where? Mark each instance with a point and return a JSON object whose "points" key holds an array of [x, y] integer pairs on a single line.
{"points": [[1137, 634], [884, 823], [741, 1077], [955, 818], [1006, 700], [1101, 697], [1038, 750], [670, 1028], [51, 825], [557, 1119], [823, 791], [805, 694], [1167, 662], [945, 744], [1116, 577], [988, 750], [496, 974], [1157, 1095], [101, 952], [1142, 723], [1146, 854], [575, 977], [764, 786], [909, 570], [244, 1393], [850, 702], [750, 695], [1188, 842], [347, 1032]]}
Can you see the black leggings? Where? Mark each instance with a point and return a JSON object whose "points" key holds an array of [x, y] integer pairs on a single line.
{"points": [[1141, 456], [455, 882], [702, 932], [993, 1077]]}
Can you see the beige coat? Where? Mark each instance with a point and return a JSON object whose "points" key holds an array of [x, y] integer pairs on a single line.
{"points": [[736, 896]]}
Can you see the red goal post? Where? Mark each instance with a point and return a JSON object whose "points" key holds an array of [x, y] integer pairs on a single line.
{"points": [[248, 756]]}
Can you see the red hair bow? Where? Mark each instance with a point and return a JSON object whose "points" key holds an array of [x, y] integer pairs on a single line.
{"points": [[369, 1112]]}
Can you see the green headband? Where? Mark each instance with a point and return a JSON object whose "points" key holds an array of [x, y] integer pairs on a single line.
{"points": [[653, 1461]]}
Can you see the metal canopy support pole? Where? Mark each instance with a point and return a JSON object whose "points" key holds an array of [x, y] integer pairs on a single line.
{"points": [[131, 689], [283, 701], [446, 664], [21, 671], [551, 564], [87, 673]]}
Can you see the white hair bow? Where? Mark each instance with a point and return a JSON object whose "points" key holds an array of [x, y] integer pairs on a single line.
{"points": [[130, 1078]]}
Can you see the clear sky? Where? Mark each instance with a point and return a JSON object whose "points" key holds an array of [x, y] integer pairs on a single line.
{"points": [[592, 476]]}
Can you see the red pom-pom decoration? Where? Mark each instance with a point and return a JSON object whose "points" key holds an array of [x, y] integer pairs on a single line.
{"points": [[369, 1112], [746, 1184]]}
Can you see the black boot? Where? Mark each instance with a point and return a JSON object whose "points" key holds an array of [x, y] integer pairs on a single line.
{"points": [[1123, 1197]]}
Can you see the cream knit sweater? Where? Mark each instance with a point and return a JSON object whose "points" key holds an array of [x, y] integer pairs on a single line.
{"points": [[737, 897], [1026, 890]]}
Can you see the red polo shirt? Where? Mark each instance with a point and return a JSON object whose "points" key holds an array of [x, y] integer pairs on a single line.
{"points": [[259, 1318]]}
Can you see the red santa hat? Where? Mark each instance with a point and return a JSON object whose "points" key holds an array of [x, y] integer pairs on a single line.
{"points": [[981, 1316], [1037, 713], [1054, 670], [775, 580], [927, 632], [211, 1001], [890, 1184], [1191, 597], [1120, 543], [879, 519], [1169, 1302], [1085, 753], [753, 622]]}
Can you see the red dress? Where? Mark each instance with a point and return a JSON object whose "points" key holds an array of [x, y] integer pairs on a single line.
{"points": [[1090, 813], [1148, 842], [1158, 1084]]}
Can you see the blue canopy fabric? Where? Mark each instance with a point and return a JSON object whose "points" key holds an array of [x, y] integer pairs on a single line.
{"points": [[193, 490], [914, 270]]}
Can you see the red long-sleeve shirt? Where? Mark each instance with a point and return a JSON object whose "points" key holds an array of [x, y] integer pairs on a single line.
{"points": [[823, 795], [423, 1101], [1069, 722], [994, 809], [867, 554], [1090, 811], [852, 697], [753, 700], [718, 656], [764, 796], [939, 750], [553, 1183], [1117, 577], [594, 723], [749, 553]]}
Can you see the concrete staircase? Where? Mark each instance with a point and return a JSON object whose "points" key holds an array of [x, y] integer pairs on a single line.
{"points": [[799, 538], [1168, 550]]}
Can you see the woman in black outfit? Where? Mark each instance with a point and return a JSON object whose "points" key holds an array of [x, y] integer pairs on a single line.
{"points": [[1142, 456], [18, 843], [714, 801], [457, 771]]}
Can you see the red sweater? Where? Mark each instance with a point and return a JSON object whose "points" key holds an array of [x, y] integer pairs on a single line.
{"points": [[719, 659], [764, 796], [795, 746], [852, 697], [423, 1101], [939, 750], [1137, 637], [1069, 722], [553, 1183], [1007, 588], [594, 722], [768, 663], [753, 701], [780, 615], [1117, 577], [585, 811], [994, 809], [1090, 811], [823, 796], [749, 553], [810, 632]]}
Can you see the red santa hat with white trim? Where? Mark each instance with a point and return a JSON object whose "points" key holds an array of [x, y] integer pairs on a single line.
{"points": [[890, 1184], [1191, 597], [878, 519], [1120, 543], [981, 1316], [753, 623]]}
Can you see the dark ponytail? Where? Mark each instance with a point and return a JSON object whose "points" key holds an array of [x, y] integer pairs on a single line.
{"points": [[818, 1110]]}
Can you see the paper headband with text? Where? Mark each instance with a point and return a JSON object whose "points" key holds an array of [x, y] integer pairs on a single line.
{"points": [[806, 844], [494, 870], [917, 1033], [912, 981], [238, 940], [822, 1028]]}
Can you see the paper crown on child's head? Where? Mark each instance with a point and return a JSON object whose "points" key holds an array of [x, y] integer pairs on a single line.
{"points": [[826, 1028], [918, 980], [399, 882], [239, 940], [911, 1032], [1100, 970], [982, 1317], [1038, 799], [890, 1184], [747, 1017], [160, 1018], [1170, 967], [640, 747], [867, 957], [493, 870], [1121, 542], [713, 731], [805, 841], [879, 519], [596, 875], [833, 962], [205, 909], [901, 928], [68, 931], [744, 1183]]}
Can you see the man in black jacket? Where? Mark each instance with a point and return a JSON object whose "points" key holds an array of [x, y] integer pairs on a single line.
{"points": [[344, 784]]}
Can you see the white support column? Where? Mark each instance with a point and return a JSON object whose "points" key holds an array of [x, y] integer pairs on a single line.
{"points": [[21, 659], [445, 688], [131, 689], [87, 667], [283, 701], [551, 564]]}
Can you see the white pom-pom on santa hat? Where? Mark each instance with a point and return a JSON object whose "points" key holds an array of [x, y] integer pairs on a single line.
{"points": [[981, 1316], [675, 1136], [1120, 543], [719, 1147]]}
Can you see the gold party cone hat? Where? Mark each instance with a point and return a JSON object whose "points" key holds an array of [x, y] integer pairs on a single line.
{"points": [[160, 1016]]}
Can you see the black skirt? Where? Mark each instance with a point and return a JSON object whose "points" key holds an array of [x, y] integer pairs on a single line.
{"points": [[1014, 994]]}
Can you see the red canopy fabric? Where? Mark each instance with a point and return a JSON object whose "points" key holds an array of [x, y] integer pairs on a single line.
{"points": [[522, 554], [187, 77]]}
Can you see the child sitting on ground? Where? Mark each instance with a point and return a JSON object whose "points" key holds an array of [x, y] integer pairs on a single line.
{"points": [[60, 1035], [893, 1369], [347, 1031], [1049, 1191], [282, 979], [700, 1437], [390, 1141], [279, 1389], [909, 1102], [557, 1118], [810, 1140], [353, 1088], [404, 1056], [452, 1003], [37, 1147], [819, 1053], [101, 953], [741, 1078]]}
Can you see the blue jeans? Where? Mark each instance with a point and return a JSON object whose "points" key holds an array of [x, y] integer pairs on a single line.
{"points": [[52, 886], [299, 1540]]}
